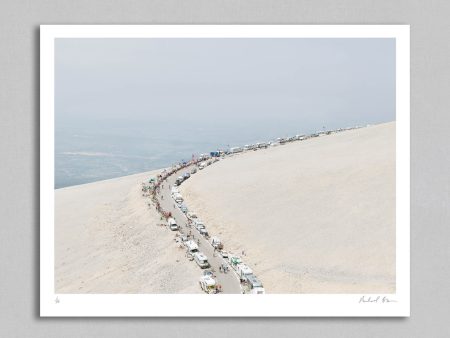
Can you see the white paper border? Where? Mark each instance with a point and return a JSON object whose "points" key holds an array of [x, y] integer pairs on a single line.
{"points": [[222, 305]]}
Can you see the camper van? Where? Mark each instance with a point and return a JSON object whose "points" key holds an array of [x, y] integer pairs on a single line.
{"points": [[257, 291], [243, 271], [254, 285], [207, 284], [263, 145], [201, 260], [191, 246], [172, 224], [235, 150]]}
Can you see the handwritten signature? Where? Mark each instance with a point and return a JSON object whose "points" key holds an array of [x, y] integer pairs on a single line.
{"points": [[377, 299]]}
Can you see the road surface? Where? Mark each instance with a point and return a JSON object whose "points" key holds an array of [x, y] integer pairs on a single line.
{"points": [[229, 281]]}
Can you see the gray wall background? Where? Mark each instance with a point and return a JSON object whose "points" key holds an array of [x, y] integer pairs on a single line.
{"points": [[19, 169]]}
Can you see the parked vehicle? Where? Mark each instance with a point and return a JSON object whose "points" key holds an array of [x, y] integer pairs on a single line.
{"points": [[193, 171], [178, 198], [172, 224], [224, 254], [236, 150], [215, 242], [191, 246], [201, 260], [243, 271], [254, 285], [183, 209], [202, 165], [191, 215], [208, 273], [207, 284], [199, 224], [257, 291]]}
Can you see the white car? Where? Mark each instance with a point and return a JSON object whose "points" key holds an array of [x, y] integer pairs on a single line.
{"points": [[201, 260], [199, 224]]}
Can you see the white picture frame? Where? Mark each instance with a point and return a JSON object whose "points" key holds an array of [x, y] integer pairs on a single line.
{"points": [[184, 305]]}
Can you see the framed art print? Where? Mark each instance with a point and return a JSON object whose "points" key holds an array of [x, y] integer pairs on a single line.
{"points": [[224, 170]]}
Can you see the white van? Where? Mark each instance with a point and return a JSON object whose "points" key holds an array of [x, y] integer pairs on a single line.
{"points": [[235, 150], [201, 260], [254, 285], [172, 224], [191, 246], [203, 231], [207, 284], [257, 291], [243, 271]]}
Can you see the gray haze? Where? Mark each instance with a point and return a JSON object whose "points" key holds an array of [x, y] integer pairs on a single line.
{"points": [[300, 79], [160, 100]]}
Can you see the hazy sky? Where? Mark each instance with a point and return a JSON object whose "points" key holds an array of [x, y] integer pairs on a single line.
{"points": [[332, 82]]}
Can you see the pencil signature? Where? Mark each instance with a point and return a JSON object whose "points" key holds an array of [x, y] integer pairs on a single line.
{"points": [[377, 299]]}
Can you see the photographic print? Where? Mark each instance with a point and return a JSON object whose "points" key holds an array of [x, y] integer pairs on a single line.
{"points": [[224, 170]]}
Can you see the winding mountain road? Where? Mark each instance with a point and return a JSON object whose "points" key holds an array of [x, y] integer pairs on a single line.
{"points": [[229, 281]]}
